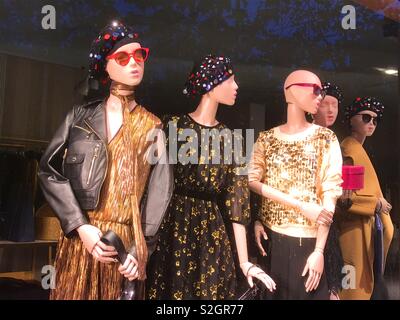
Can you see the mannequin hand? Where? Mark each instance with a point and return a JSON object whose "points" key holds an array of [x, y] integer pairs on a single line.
{"points": [[129, 268], [251, 270], [316, 213], [333, 296], [344, 202], [314, 267], [258, 233], [385, 206], [90, 236], [104, 253], [346, 194]]}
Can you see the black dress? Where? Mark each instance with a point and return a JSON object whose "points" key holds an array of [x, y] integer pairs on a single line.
{"points": [[193, 258]]}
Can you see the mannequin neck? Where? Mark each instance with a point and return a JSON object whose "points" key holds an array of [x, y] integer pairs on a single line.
{"points": [[358, 136], [206, 112], [319, 124], [117, 91], [296, 120]]}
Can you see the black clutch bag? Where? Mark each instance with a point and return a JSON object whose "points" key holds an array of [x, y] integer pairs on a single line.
{"points": [[251, 293], [132, 290]]}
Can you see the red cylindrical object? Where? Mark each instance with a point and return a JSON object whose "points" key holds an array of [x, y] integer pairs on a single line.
{"points": [[353, 177]]}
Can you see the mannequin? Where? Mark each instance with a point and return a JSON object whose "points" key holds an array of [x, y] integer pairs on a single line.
{"points": [[359, 226], [193, 258], [328, 111], [326, 116], [98, 188], [287, 162]]}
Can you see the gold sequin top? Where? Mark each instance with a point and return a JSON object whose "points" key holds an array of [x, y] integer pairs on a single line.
{"points": [[307, 166]]}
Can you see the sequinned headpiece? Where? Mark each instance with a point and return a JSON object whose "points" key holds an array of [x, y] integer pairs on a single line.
{"points": [[111, 38], [208, 74], [333, 90], [365, 103]]}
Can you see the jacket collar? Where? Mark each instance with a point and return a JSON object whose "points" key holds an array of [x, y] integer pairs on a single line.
{"points": [[97, 121]]}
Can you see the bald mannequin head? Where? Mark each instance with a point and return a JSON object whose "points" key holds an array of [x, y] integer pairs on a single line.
{"points": [[303, 96]]}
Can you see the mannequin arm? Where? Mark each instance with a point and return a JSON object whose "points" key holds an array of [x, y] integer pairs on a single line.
{"points": [[249, 269], [56, 187], [158, 191], [315, 262], [273, 194], [322, 236], [312, 211]]}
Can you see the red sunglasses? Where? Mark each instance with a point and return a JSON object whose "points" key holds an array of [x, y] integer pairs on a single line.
{"points": [[123, 57], [317, 90]]}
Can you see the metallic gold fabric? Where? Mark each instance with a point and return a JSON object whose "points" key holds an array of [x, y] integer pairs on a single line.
{"points": [[127, 182], [79, 275]]}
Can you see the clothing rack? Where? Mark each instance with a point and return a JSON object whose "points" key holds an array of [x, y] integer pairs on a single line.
{"points": [[24, 140], [19, 186], [21, 144], [12, 145]]}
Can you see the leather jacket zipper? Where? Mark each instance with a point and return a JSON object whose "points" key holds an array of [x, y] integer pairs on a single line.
{"points": [[96, 154], [105, 175], [86, 130]]}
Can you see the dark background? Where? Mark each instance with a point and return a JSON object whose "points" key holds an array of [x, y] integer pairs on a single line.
{"points": [[265, 39], [42, 72]]}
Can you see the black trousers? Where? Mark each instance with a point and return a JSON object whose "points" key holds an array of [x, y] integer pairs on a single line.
{"points": [[285, 262]]}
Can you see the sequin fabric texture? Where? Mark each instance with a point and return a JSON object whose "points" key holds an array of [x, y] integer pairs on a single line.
{"points": [[297, 168], [193, 258]]}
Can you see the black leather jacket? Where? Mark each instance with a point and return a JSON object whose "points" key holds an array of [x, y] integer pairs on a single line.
{"points": [[75, 187]]}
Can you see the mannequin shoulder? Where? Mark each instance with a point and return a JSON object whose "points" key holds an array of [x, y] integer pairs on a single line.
{"points": [[326, 133], [171, 118], [151, 119], [266, 136], [349, 143], [86, 107], [351, 147]]}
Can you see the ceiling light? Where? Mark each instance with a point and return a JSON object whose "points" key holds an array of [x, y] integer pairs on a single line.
{"points": [[388, 71], [391, 72]]}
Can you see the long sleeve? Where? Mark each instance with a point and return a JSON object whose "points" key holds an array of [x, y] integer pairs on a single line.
{"points": [[332, 174], [362, 202], [159, 191], [57, 188], [237, 195], [256, 171], [257, 164]]}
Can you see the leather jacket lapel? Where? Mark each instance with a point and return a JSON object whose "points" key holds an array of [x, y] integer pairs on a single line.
{"points": [[97, 122]]}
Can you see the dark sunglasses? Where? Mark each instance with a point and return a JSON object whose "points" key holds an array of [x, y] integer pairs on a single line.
{"points": [[366, 118], [317, 90], [123, 57]]}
